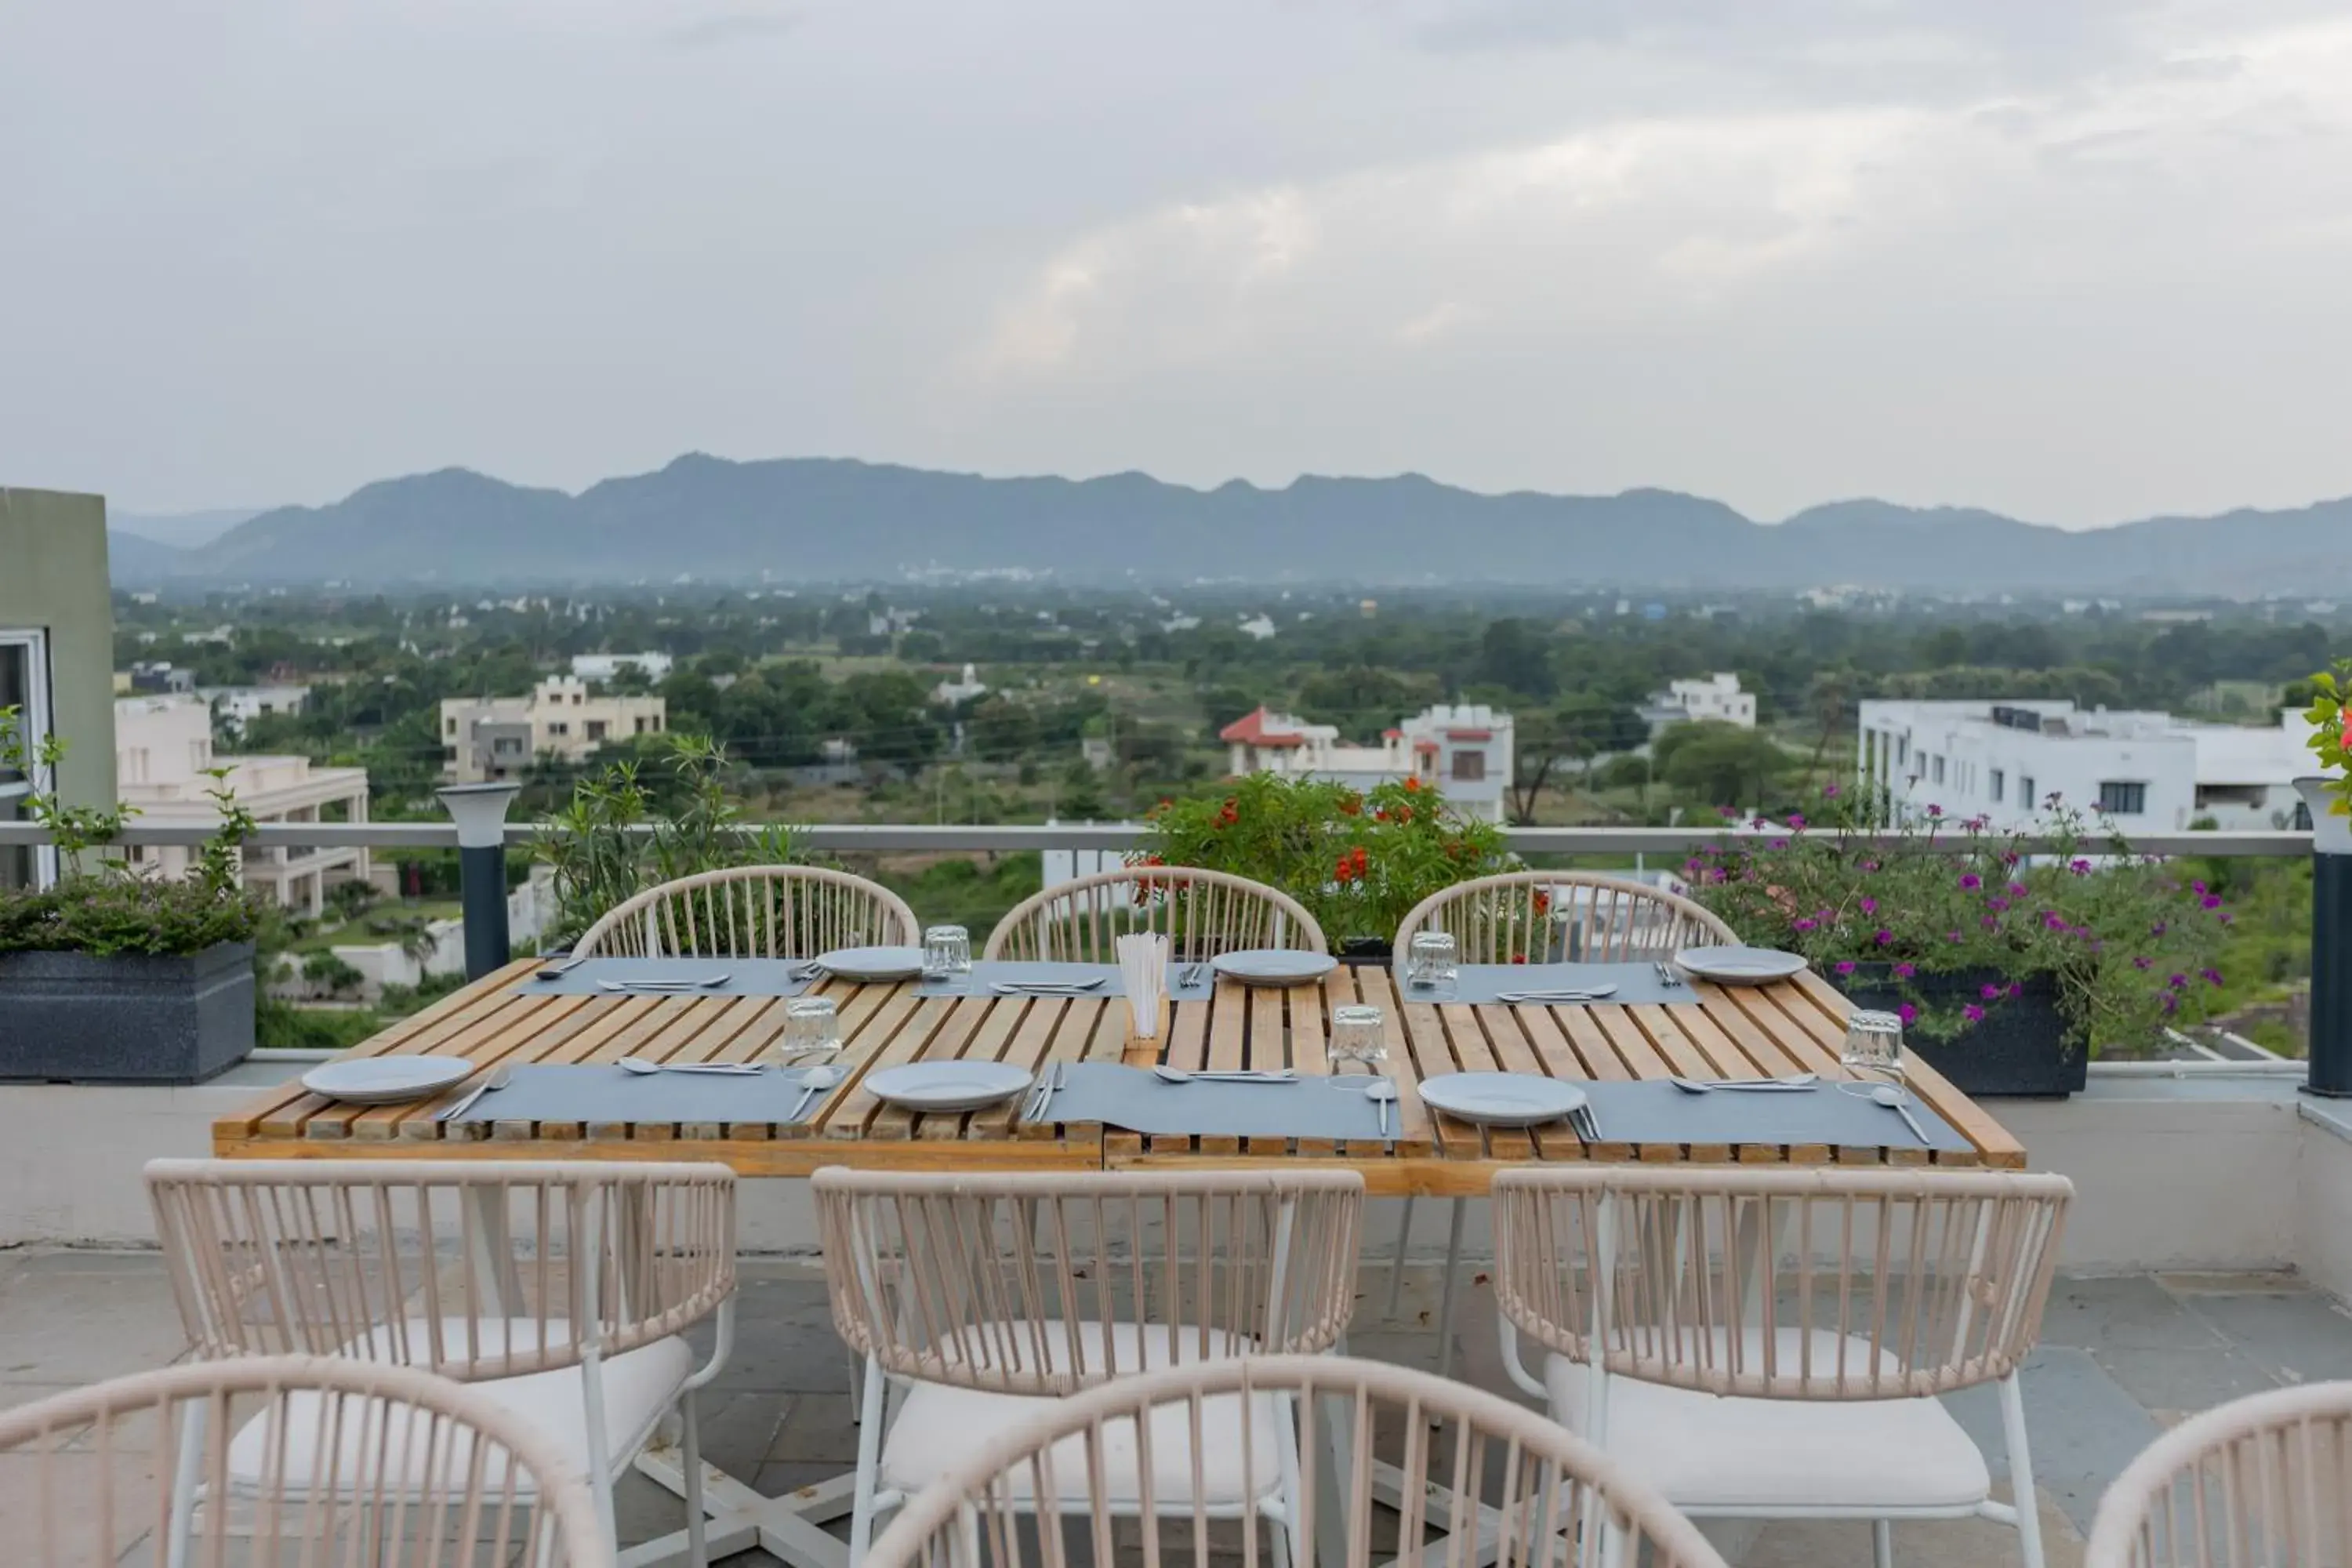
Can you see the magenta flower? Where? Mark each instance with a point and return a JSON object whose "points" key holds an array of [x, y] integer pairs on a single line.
{"points": [[1906, 971], [1797, 821], [1846, 966], [2171, 1003], [2009, 856], [1829, 792], [2223, 917], [1870, 906], [1991, 922], [1870, 864], [2016, 988], [2157, 930], [2210, 976], [1935, 811], [1726, 812], [1955, 936], [1998, 906], [1882, 936], [2198, 889], [2080, 868], [1972, 1013], [2143, 962], [1780, 844], [2177, 980], [2211, 901], [1804, 922], [2053, 920], [1989, 992], [1971, 881], [1908, 1012], [2017, 890]]}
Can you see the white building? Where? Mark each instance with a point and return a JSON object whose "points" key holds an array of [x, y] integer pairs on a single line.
{"points": [[497, 737], [1717, 697], [2149, 772], [603, 667], [1464, 752], [241, 705], [163, 748], [955, 693]]}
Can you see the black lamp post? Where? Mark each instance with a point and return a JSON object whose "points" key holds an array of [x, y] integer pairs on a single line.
{"points": [[2331, 942], [480, 813]]}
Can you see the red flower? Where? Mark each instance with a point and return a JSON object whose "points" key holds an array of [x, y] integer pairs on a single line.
{"points": [[1543, 902], [1405, 814], [1351, 806], [1413, 783], [1379, 815]]}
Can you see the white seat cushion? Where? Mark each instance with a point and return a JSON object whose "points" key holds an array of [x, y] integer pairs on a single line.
{"points": [[1703, 1450], [638, 1388], [936, 1427]]}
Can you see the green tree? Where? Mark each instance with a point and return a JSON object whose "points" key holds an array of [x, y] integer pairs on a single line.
{"points": [[1722, 763], [1514, 653], [999, 731]]}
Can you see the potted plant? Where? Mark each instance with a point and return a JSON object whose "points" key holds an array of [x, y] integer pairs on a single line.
{"points": [[1358, 860], [2330, 716], [113, 977], [2008, 969]]}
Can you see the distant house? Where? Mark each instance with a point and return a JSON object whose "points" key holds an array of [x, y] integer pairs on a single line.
{"points": [[955, 693], [2149, 772], [57, 656], [163, 756], [1258, 627], [488, 738], [1717, 697], [241, 705], [602, 668], [1465, 752]]}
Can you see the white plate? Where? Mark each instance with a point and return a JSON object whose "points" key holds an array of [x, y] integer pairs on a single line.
{"points": [[872, 963], [1275, 966], [1739, 966], [1501, 1099], [947, 1086], [385, 1080]]}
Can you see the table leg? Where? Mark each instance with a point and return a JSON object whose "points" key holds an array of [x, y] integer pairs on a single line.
{"points": [[790, 1527], [491, 1245], [1445, 1289]]}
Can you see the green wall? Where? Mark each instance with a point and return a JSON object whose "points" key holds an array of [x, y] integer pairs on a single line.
{"points": [[53, 578]]}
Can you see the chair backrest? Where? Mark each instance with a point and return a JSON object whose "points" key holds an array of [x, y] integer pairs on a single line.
{"points": [[1791, 1283], [1107, 1453], [753, 911], [1201, 913], [1045, 1284], [2259, 1482], [122, 1468], [1562, 916], [472, 1269]]}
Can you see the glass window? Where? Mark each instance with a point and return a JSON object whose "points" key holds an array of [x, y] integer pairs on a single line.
{"points": [[1469, 766], [2025, 795], [1936, 768], [1996, 784], [2120, 798], [24, 687]]}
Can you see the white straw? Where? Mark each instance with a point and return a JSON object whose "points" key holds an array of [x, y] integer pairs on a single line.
{"points": [[1143, 972]]}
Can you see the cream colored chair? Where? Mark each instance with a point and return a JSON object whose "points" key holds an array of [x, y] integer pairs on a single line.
{"points": [[1767, 1343], [752, 911], [1201, 913], [1140, 1448], [333, 1463], [1562, 916], [561, 1290], [2259, 1482], [977, 1300]]}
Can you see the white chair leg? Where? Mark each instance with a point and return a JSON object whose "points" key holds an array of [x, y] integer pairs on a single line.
{"points": [[2021, 1472], [698, 1550], [1882, 1542], [857, 1387], [1396, 1262], [869, 1465], [1446, 1290], [185, 1471]]}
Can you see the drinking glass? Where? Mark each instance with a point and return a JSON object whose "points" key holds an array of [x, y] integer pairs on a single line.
{"points": [[947, 951], [812, 1024], [1430, 960], [1874, 1045], [1356, 1035]]}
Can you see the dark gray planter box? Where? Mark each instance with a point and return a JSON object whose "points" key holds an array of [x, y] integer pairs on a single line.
{"points": [[71, 1017], [2022, 1048]]}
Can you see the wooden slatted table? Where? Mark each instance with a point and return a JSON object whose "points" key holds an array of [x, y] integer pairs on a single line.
{"points": [[1763, 1031]]}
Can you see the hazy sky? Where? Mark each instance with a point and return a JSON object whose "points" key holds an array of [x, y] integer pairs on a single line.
{"points": [[2073, 260]]}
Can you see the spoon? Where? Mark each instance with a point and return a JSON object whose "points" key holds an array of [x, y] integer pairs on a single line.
{"points": [[497, 1081], [1178, 1075], [644, 1069], [1384, 1093], [1701, 1086], [1887, 1095], [815, 1081]]}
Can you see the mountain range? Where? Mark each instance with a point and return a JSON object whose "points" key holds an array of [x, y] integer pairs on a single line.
{"points": [[834, 519]]}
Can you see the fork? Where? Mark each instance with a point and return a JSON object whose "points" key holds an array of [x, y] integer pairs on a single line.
{"points": [[1666, 976]]}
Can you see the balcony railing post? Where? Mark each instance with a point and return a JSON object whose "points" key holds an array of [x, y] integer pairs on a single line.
{"points": [[480, 813], [2331, 942]]}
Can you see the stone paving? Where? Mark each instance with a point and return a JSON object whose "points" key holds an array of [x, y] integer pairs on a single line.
{"points": [[2121, 1358]]}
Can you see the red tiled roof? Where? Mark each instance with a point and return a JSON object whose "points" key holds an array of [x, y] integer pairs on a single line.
{"points": [[1391, 734], [1425, 746], [1250, 730], [1469, 734]]}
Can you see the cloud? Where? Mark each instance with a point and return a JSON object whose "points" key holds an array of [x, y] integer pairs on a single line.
{"points": [[723, 27]]}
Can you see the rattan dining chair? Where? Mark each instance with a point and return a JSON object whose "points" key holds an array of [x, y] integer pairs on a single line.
{"points": [[1573, 917], [976, 1299], [1767, 1343], [752, 911], [1203, 913], [561, 1289], [324, 1471], [1496, 1481], [2259, 1482]]}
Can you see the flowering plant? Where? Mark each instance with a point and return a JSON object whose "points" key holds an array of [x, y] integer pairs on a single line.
{"points": [[2129, 941], [1358, 860], [2331, 730]]}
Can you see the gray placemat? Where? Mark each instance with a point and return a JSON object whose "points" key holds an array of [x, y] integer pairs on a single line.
{"points": [[983, 978], [745, 976], [1658, 1112], [1636, 984], [584, 1093], [1139, 1100]]}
